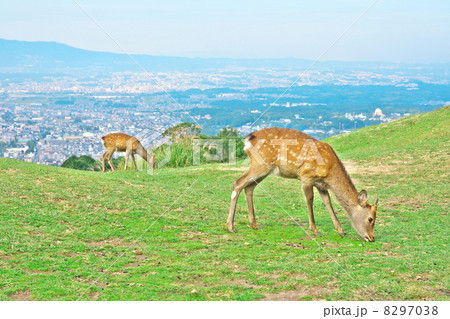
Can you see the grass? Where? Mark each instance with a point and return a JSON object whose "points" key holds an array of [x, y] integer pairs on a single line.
{"points": [[69, 235]]}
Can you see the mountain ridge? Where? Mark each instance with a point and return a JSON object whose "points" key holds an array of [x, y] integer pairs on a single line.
{"points": [[40, 56], [44, 54]]}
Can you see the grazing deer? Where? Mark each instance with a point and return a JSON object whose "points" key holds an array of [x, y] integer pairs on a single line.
{"points": [[293, 154], [124, 143]]}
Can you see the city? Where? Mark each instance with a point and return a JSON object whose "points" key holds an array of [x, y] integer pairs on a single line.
{"points": [[48, 133], [59, 133], [47, 117]]}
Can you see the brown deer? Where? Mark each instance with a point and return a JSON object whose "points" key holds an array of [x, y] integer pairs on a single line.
{"points": [[121, 142], [293, 154]]}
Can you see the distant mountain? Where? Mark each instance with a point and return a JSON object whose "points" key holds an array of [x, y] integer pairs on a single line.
{"points": [[57, 57], [54, 57], [48, 56]]}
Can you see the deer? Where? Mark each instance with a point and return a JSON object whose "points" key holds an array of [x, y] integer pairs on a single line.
{"points": [[121, 142], [290, 153]]}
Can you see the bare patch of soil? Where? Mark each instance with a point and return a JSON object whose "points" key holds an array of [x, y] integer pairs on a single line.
{"points": [[242, 283], [444, 292], [131, 184], [294, 245], [94, 295], [9, 170], [6, 257], [21, 295], [114, 242], [412, 204], [202, 236], [316, 293], [139, 258], [92, 281], [41, 272], [362, 169]]}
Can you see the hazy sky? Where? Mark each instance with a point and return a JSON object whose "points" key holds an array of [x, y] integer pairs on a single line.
{"points": [[392, 30]]}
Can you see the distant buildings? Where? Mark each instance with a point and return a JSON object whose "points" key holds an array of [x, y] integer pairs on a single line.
{"points": [[67, 115], [378, 112], [354, 117], [64, 131]]}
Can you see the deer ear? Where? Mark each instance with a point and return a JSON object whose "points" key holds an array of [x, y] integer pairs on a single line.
{"points": [[362, 198]]}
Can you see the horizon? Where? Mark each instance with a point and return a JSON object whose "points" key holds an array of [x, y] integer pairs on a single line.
{"points": [[230, 58], [345, 31]]}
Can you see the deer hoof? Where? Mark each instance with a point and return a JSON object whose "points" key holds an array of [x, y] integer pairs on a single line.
{"points": [[254, 226], [317, 233], [231, 230], [342, 234]]}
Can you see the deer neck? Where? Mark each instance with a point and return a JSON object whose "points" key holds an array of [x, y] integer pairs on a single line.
{"points": [[140, 150], [343, 188]]}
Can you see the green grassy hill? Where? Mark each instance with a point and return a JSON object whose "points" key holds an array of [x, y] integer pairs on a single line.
{"points": [[68, 235]]}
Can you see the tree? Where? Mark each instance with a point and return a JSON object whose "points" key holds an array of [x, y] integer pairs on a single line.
{"points": [[31, 146], [182, 131], [230, 133], [225, 147], [84, 163]]}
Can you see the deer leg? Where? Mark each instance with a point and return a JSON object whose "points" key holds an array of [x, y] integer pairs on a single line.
{"points": [[153, 161], [103, 161], [251, 211], [237, 188], [326, 199], [134, 161], [127, 156], [110, 162], [309, 195], [249, 197], [242, 182]]}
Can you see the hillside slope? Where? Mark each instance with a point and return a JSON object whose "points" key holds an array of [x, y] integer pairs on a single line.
{"points": [[68, 235], [410, 157], [421, 133]]}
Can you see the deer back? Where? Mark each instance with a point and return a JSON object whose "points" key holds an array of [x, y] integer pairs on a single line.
{"points": [[118, 141], [290, 153]]}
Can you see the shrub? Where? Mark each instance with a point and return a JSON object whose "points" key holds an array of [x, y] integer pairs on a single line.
{"points": [[179, 152], [84, 163]]}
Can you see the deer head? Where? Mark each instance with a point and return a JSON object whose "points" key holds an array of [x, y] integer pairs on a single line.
{"points": [[363, 217]]}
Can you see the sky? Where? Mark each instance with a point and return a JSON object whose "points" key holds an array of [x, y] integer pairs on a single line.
{"points": [[409, 31]]}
